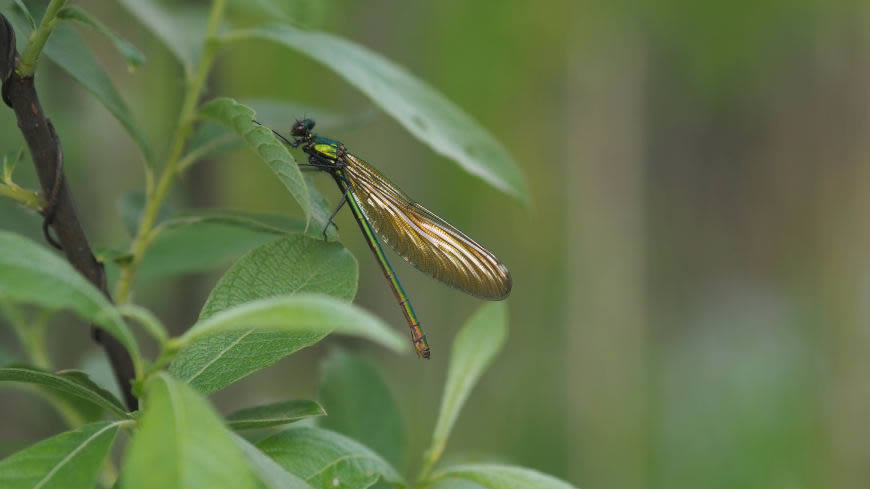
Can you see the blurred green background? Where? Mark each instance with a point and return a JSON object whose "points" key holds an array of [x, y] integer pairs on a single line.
{"points": [[691, 302]]}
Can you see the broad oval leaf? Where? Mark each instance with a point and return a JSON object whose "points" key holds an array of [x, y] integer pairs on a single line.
{"points": [[360, 405], [303, 313], [32, 274], [474, 348], [68, 51], [180, 27], [424, 112], [264, 143], [73, 382], [285, 266], [495, 476], [327, 460], [182, 443], [70, 459], [275, 414]]}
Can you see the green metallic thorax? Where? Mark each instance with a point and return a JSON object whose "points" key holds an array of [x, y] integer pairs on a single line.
{"points": [[326, 147]]}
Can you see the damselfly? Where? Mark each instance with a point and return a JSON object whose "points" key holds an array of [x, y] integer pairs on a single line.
{"points": [[420, 237]]}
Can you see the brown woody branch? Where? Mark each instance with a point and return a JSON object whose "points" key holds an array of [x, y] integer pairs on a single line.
{"points": [[19, 93]]}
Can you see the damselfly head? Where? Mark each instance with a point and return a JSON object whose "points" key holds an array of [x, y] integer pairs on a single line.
{"points": [[302, 128]]}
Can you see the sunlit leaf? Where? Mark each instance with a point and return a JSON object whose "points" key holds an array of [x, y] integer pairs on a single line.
{"points": [[423, 111], [286, 266], [275, 414], [70, 459], [182, 443], [327, 460]]}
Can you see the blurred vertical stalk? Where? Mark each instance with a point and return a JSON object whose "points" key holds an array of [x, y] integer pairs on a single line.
{"points": [[170, 171], [607, 340]]}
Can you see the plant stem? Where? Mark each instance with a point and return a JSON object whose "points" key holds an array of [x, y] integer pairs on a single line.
{"points": [[28, 198], [30, 56], [170, 170]]}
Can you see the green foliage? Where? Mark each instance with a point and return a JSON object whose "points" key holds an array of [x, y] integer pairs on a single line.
{"points": [[474, 348], [70, 459], [275, 414], [326, 459], [280, 268], [360, 405], [67, 49], [132, 56], [182, 443], [424, 112], [72, 382], [290, 289], [502, 477], [29, 273], [267, 146]]}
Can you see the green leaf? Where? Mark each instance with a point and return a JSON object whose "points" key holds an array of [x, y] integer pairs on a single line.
{"points": [[68, 51], [132, 56], [321, 211], [474, 348], [30, 273], [210, 137], [10, 161], [270, 473], [286, 266], [494, 476], [327, 460], [360, 405], [74, 382], [26, 13], [181, 27], [186, 242], [264, 143], [424, 112], [274, 414], [182, 443], [70, 459], [302, 313]]}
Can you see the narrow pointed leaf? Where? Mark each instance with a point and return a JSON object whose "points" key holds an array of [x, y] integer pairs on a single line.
{"points": [[360, 405], [32, 274], [72, 382], [272, 475], [274, 414], [182, 443], [494, 476], [180, 27], [68, 51], [424, 112], [474, 348], [133, 56], [70, 459], [286, 266], [327, 460], [301, 313], [264, 143]]}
